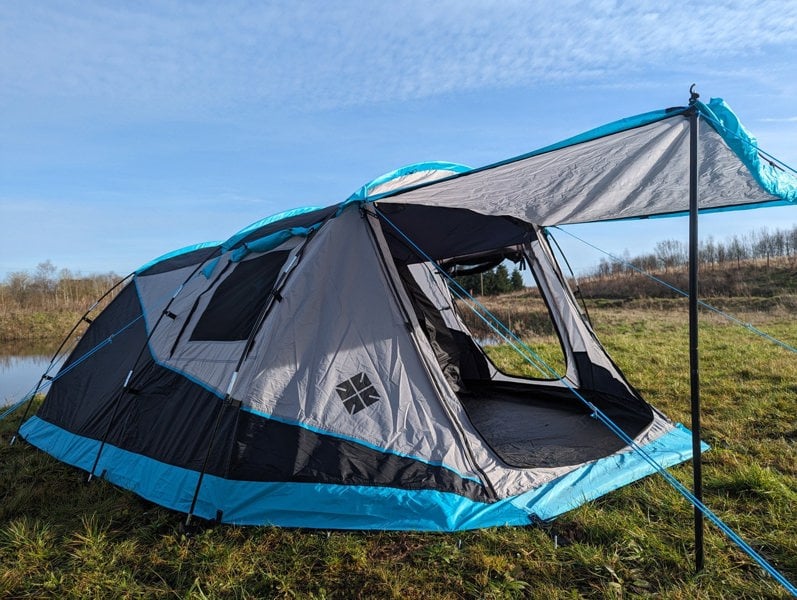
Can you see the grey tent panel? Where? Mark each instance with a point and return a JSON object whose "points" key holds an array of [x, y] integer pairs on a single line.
{"points": [[633, 173]]}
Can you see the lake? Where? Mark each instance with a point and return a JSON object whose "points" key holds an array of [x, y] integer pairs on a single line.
{"points": [[22, 364]]}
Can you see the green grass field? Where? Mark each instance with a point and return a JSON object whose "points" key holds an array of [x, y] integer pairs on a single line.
{"points": [[63, 538]]}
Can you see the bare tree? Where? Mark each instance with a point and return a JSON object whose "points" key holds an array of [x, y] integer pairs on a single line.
{"points": [[671, 253]]}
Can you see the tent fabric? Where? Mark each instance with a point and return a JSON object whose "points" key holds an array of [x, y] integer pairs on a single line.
{"points": [[410, 175], [300, 214], [342, 387], [313, 370], [767, 173], [187, 254], [632, 169], [368, 507]]}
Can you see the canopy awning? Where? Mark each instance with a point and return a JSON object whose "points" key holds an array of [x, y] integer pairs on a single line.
{"points": [[633, 168]]}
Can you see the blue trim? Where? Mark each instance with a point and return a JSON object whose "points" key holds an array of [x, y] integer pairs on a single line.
{"points": [[153, 354], [174, 253], [703, 211], [327, 506], [722, 119], [604, 130], [208, 269], [134, 472], [232, 241], [364, 192], [359, 441], [607, 474], [192, 378], [271, 241]]}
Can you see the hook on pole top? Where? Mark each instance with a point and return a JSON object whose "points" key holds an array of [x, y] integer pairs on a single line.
{"points": [[693, 95]]}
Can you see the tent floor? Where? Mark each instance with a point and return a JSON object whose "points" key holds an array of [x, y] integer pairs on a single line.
{"points": [[526, 432]]}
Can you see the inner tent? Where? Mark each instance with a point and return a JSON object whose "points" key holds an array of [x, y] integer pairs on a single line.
{"points": [[529, 422]]}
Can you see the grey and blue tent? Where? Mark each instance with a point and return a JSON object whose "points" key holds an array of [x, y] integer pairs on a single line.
{"points": [[313, 370]]}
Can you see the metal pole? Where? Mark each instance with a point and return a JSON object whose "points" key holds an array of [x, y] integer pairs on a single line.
{"points": [[694, 366]]}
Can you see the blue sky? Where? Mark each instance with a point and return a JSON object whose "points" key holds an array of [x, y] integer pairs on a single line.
{"points": [[129, 129]]}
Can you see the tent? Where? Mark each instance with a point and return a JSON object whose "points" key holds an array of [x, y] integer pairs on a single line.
{"points": [[313, 369]]}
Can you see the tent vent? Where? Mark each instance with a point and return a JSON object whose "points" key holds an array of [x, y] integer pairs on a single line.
{"points": [[357, 393]]}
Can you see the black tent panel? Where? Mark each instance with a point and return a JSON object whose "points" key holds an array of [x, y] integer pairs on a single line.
{"points": [[186, 259], [270, 450], [236, 303], [170, 418], [448, 232], [81, 397]]}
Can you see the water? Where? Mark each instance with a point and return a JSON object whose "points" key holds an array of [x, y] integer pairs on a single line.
{"points": [[22, 365]]}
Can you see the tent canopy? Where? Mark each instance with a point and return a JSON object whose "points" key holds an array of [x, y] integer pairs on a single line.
{"points": [[634, 168]]}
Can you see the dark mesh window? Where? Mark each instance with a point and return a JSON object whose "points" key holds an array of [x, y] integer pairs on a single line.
{"points": [[234, 307]]}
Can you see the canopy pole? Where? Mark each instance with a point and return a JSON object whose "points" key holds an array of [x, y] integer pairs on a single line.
{"points": [[694, 366]]}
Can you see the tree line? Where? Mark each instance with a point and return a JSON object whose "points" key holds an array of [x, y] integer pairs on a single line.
{"points": [[762, 244], [48, 288], [490, 283]]}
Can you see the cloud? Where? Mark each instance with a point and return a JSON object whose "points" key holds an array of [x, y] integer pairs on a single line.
{"points": [[779, 119], [188, 57]]}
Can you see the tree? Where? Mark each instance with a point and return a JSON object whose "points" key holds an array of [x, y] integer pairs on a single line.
{"points": [[19, 286], [671, 253], [708, 252], [604, 268], [492, 282], [44, 277], [516, 280], [501, 282], [737, 250]]}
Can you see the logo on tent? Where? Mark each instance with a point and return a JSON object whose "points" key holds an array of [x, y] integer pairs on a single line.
{"points": [[357, 393]]}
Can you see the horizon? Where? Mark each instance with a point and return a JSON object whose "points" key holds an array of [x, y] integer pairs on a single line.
{"points": [[56, 272]]}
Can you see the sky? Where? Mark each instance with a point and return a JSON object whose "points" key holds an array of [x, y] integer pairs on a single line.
{"points": [[130, 129]]}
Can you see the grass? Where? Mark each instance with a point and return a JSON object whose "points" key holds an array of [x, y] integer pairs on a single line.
{"points": [[33, 324], [61, 537]]}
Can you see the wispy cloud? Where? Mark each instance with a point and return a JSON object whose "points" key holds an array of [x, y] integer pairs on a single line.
{"points": [[210, 56], [779, 119]]}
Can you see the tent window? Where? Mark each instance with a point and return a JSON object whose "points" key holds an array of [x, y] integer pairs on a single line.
{"points": [[527, 315], [232, 311]]}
